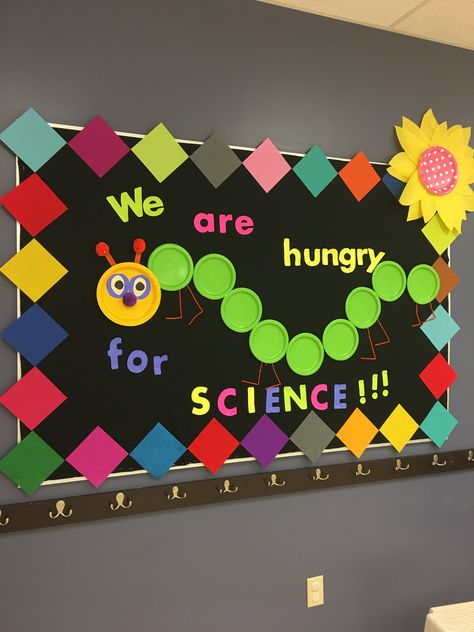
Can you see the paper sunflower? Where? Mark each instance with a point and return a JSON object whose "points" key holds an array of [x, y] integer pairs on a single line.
{"points": [[437, 165]]}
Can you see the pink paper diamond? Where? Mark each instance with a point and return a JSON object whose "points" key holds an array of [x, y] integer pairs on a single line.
{"points": [[267, 165], [97, 456], [32, 398]]}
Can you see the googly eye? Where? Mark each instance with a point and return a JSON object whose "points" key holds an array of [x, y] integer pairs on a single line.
{"points": [[117, 285], [140, 286]]}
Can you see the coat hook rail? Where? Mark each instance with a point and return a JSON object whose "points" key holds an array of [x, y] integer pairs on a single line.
{"points": [[106, 505]]}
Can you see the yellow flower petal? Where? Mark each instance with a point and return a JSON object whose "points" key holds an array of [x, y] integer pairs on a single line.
{"points": [[451, 209], [429, 123], [469, 202], [456, 142], [393, 172], [428, 207], [414, 212], [403, 165], [412, 127], [440, 135], [413, 191], [462, 188], [412, 144]]}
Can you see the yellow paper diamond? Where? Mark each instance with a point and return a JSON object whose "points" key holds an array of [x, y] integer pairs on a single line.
{"points": [[34, 270], [160, 153], [438, 235], [399, 428]]}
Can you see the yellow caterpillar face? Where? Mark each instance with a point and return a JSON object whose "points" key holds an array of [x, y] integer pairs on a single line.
{"points": [[128, 293]]}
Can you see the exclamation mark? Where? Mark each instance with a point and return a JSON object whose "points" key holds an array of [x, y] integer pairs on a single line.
{"points": [[362, 392], [385, 383], [375, 381]]}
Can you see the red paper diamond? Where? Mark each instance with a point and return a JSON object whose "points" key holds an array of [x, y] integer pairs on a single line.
{"points": [[359, 176], [33, 204], [448, 279], [438, 375], [213, 445], [32, 398]]}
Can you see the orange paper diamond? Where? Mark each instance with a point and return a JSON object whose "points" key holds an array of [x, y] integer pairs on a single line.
{"points": [[357, 433]]}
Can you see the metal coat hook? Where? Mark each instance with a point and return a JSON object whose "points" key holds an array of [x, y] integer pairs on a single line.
{"points": [[318, 476], [437, 462], [360, 471], [175, 495], [273, 482], [470, 456], [227, 490], [120, 500], [401, 468], [60, 507], [3, 523]]}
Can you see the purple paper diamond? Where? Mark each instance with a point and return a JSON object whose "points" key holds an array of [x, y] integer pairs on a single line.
{"points": [[265, 440], [97, 456], [99, 146]]}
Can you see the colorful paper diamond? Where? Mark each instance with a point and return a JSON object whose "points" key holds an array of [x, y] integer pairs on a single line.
{"points": [[265, 440], [97, 456], [99, 146], [32, 139], [357, 432], [213, 445], [393, 185], [313, 436], [438, 235], [33, 204], [34, 270], [160, 153], [447, 277], [32, 398], [158, 451], [438, 375], [438, 424], [315, 171], [359, 176], [34, 334], [399, 428], [440, 328], [215, 160], [267, 165], [30, 463]]}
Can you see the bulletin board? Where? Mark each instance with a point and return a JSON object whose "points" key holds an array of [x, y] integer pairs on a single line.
{"points": [[189, 303]]}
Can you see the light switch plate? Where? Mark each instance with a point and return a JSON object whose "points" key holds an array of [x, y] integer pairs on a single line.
{"points": [[315, 591]]}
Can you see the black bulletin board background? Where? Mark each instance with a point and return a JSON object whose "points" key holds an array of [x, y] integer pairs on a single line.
{"points": [[128, 405]]}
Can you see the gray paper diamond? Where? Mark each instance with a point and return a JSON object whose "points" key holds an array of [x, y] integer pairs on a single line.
{"points": [[312, 436]]}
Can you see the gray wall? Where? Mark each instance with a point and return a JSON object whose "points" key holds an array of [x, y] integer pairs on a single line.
{"points": [[247, 70]]}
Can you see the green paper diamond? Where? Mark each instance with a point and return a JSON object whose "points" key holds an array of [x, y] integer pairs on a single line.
{"points": [[30, 463], [160, 153]]}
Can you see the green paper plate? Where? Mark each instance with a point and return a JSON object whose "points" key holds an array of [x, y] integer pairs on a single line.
{"points": [[423, 284], [389, 280], [241, 310], [340, 339], [214, 276], [268, 341], [363, 307], [172, 265], [305, 354]]}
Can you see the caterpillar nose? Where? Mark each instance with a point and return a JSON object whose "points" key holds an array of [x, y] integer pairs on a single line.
{"points": [[129, 299]]}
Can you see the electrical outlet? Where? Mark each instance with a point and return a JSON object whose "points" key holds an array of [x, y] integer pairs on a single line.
{"points": [[315, 591]]}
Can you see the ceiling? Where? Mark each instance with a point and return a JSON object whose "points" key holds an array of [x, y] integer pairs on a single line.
{"points": [[446, 21]]}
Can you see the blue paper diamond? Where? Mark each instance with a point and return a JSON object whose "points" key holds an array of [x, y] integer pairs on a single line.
{"points": [[393, 185], [315, 171], [441, 329], [34, 334], [32, 139], [438, 424], [158, 451]]}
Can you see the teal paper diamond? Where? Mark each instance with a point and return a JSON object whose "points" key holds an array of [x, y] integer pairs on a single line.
{"points": [[315, 171], [438, 424], [440, 328]]}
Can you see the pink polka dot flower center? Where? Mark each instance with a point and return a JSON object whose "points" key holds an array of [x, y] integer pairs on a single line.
{"points": [[438, 170]]}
